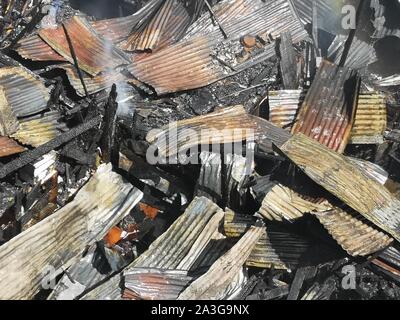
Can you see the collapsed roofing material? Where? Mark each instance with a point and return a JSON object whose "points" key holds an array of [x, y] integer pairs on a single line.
{"points": [[166, 70], [352, 233], [276, 248], [94, 53], [34, 48], [40, 129], [328, 111], [227, 125], [213, 284], [81, 222], [21, 91], [181, 245], [283, 203], [9, 147], [370, 119], [393, 80], [346, 181], [288, 62], [155, 284]]}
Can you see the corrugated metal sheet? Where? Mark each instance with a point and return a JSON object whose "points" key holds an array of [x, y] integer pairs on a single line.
{"points": [[34, 48], [370, 120], [118, 29], [276, 248], [166, 70], [372, 170], [9, 147], [288, 63], [24, 92], [94, 53], [59, 239], [38, 130], [148, 35], [155, 284], [93, 84], [214, 284], [361, 54], [227, 125], [329, 13], [346, 181], [180, 246], [8, 121], [328, 111], [284, 105], [283, 203], [353, 233]]}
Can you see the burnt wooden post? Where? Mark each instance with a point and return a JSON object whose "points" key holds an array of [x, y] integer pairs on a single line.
{"points": [[109, 127]]}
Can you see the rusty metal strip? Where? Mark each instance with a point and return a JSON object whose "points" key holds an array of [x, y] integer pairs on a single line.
{"points": [[9, 147], [328, 111]]}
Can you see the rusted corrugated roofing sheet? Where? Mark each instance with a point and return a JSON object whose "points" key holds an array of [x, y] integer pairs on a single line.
{"points": [[155, 284], [94, 53], [34, 48], [327, 113], [276, 248], [166, 69], [282, 203], [9, 147], [24, 93], [283, 106], [59, 239], [93, 84], [353, 233], [346, 181], [38, 130], [118, 29], [214, 283], [370, 120], [148, 35], [227, 125]]}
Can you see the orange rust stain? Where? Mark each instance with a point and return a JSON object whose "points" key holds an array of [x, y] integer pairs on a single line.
{"points": [[149, 211], [114, 236]]}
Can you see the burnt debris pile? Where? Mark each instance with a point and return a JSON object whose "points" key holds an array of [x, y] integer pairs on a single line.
{"points": [[170, 149]]}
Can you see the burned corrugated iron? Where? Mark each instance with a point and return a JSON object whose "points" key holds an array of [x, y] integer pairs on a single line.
{"points": [[94, 53], [353, 233], [328, 111], [9, 147], [22, 91], [34, 48], [40, 129], [288, 64], [277, 248], [76, 230], [283, 203], [228, 125], [214, 283], [346, 181], [155, 284], [209, 57]]}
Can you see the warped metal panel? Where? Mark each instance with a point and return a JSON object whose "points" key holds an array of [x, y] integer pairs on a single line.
{"points": [[94, 53], [346, 181], [60, 238], [215, 282], [9, 147], [23, 91], [353, 233], [38, 130], [328, 111], [228, 125], [166, 69], [34, 48], [284, 105]]}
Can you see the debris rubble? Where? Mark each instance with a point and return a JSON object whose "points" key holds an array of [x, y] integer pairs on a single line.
{"points": [[199, 150]]}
